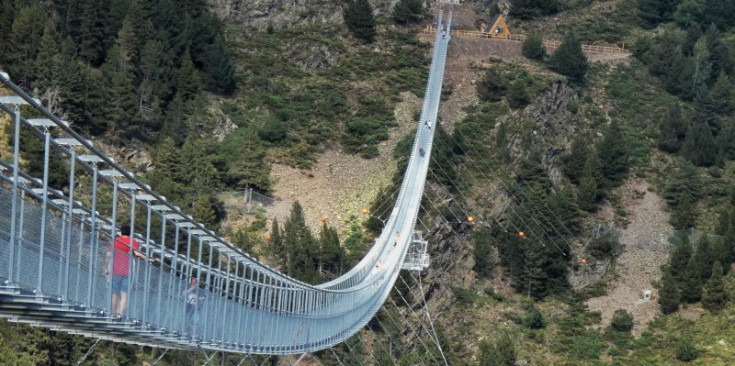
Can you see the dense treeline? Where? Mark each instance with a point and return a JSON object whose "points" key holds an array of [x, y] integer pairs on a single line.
{"points": [[128, 69]]}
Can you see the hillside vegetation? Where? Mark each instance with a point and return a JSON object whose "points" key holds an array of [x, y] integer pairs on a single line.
{"points": [[545, 146]]}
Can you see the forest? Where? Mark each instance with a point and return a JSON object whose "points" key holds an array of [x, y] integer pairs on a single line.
{"points": [[216, 108]]}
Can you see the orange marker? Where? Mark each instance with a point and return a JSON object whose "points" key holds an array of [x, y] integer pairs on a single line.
{"points": [[324, 219], [584, 260], [364, 211], [268, 238], [521, 234], [470, 219]]}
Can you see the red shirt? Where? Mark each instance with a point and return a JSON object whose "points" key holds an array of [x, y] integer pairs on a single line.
{"points": [[121, 263]]}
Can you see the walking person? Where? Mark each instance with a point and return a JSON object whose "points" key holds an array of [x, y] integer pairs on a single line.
{"points": [[194, 296], [121, 269]]}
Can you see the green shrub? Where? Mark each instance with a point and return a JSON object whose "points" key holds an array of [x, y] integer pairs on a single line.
{"points": [[533, 47], [274, 130], [534, 318], [686, 350], [622, 321]]}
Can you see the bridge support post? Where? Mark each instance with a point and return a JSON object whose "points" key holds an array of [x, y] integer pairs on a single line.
{"points": [[14, 203], [44, 206]]}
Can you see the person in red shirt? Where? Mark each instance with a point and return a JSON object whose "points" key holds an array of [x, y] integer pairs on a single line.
{"points": [[121, 269]]}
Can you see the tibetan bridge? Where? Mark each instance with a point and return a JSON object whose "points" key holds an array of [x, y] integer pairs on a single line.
{"points": [[53, 251]]}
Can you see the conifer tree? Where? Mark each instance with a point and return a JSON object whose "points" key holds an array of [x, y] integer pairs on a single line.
{"points": [[201, 175], [276, 244], [589, 184], [684, 180], [569, 60], [703, 256], [684, 215], [575, 161], [721, 54], [48, 63], [614, 156], [91, 31], [679, 76], [691, 285], [653, 12], [669, 294], [723, 95], [492, 86], [246, 160], [360, 20], [203, 211], [529, 9], [482, 252], [533, 47], [679, 259], [188, 84], [714, 296], [299, 246], [408, 11], [174, 121], [517, 94], [121, 103], [27, 31], [704, 110], [331, 255], [167, 177], [699, 146], [673, 129]]}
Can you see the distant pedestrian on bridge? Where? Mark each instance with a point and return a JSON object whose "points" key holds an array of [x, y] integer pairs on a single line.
{"points": [[122, 268], [195, 296]]}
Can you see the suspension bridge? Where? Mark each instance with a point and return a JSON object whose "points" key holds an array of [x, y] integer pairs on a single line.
{"points": [[55, 256]]}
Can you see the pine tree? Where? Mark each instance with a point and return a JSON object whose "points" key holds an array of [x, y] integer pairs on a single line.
{"points": [[482, 253], [613, 154], [722, 57], [48, 63], [408, 11], [678, 78], [679, 259], [669, 294], [673, 129], [684, 180], [517, 94], [699, 146], [703, 256], [492, 86], [589, 185], [246, 160], [529, 9], [121, 101], [174, 121], [569, 60], [691, 285], [704, 110], [201, 175], [203, 211], [533, 47], [653, 12], [25, 38], [685, 215], [714, 296], [723, 95], [188, 84], [565, 210], [503, 353], [91, 34], [575, 161], [331, 255], [360, 21]]}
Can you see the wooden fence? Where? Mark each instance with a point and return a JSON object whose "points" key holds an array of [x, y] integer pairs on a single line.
{"points": [[549, 44]]}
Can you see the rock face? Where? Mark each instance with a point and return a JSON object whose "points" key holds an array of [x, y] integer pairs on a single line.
{"points": [[258, 14]]}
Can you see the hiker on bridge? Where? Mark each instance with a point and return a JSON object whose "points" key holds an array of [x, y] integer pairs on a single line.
{"points": [[195, 296], [122, 269]]}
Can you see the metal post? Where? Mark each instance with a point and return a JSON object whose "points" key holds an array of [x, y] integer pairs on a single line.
{"points": [[209, 284], [62, 250], [72, 167], [147, 278], [14, 204], [19, 237], [131, 258], [225, 303], [92, 236], [160, 272], [44, 206], [199, 274], [113, 249]]}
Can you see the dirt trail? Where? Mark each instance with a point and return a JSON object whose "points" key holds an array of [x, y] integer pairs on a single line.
{"points": [[646, 249]]}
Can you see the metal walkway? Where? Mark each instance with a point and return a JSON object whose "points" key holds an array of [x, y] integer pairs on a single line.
{"points": [[53, 253]]}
